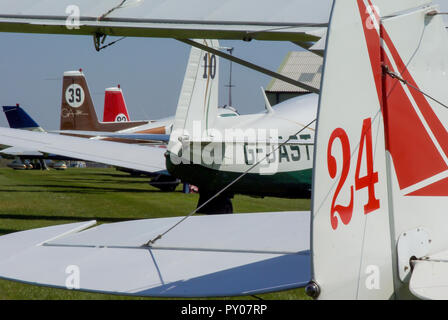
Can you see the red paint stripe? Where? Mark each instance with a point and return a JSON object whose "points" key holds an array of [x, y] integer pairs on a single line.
{"points": [[425, 108], [420, 159], [373, 46], [437, 189], [414, 154]]}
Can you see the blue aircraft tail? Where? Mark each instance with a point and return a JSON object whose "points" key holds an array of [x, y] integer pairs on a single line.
{"points": [[19, 119]]}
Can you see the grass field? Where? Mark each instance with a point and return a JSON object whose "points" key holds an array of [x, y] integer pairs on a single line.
{"points": [[32, 199]]}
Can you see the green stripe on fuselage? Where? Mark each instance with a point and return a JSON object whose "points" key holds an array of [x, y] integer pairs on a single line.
{"points": [[291, 184]]}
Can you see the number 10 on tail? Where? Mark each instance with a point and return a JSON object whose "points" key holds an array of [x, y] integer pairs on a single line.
{"points": [[368, 181]]}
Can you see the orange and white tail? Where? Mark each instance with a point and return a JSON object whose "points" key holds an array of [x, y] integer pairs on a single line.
{"points": [[77, 109], [115, 109], [381, 161]]}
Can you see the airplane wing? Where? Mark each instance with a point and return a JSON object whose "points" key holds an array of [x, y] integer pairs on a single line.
{"points": [[300, 21], [142, 158], [15, 152], [221, 255], [119, 135], [211, 19]]}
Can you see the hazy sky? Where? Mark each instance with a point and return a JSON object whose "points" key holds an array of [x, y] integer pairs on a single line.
{"points": [[150, 72]]}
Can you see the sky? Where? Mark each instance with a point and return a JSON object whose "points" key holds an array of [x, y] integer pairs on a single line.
{"points": [[150, 72]]}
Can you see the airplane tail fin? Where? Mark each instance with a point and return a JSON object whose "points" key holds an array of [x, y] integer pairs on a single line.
{"points": [[20, 119], [77, 110], [381, 158], [115, 109], [198, 101]]}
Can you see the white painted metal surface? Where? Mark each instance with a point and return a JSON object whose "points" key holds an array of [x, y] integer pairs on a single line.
{"points": [[143, 158], [201, 19], [14, 151], [358, 218], [429, 278], [221, 19], [415, 244], [197, 106], [354, 241], [219, 255]]}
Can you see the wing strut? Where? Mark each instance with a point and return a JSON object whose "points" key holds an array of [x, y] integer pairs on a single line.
{"points": [[151, 242], [250, 65]]}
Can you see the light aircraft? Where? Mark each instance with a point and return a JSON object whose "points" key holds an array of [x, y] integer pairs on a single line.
{"points": [[18, 118], [213, 159], [377, 225], [78, 112], [287, 172]]}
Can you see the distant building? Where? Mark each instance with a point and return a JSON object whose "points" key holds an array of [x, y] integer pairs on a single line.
{"points": [[303, 66]]}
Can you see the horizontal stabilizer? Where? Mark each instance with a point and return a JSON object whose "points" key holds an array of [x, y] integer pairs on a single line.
{"points": [[142, 158], [223, 255]]}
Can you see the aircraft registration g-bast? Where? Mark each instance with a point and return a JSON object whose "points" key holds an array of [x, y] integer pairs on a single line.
{"points": [[377, 229]]}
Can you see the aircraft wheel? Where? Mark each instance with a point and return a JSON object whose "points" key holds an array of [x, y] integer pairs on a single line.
{"points": [[220, 205]]}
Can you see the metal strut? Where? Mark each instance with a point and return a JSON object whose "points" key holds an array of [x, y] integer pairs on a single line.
{"points": [[98, 40], [251, 65], [395, 75], [112, 10]]}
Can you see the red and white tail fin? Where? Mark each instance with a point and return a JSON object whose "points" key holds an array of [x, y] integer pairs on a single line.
{"points": [[78, 111], [381, 155], [115, 109]]}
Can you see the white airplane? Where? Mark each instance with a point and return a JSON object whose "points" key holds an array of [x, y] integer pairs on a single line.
{"points": [[285, 171], [378, 220]]}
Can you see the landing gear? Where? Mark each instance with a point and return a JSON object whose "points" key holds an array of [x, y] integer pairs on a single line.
{"points": [[43, 165], [165, 183], [219, 205]]}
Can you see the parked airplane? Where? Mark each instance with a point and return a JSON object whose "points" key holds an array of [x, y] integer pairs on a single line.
{"points": [[286, 173], [232, 145], [78, 112], [378, 217], [291, 165], [24, 158]]}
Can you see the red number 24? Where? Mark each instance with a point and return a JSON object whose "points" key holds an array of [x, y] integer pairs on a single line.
{"points": [[368, 181]]}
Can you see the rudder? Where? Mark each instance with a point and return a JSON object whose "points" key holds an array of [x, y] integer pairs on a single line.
{"points": [[77, 109]]}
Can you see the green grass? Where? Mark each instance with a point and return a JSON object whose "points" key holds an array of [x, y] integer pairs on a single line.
{"points": [[32, 199]]}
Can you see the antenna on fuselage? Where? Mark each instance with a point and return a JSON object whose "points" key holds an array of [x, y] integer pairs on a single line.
{"points": [[230, 85], [266, 101]]}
